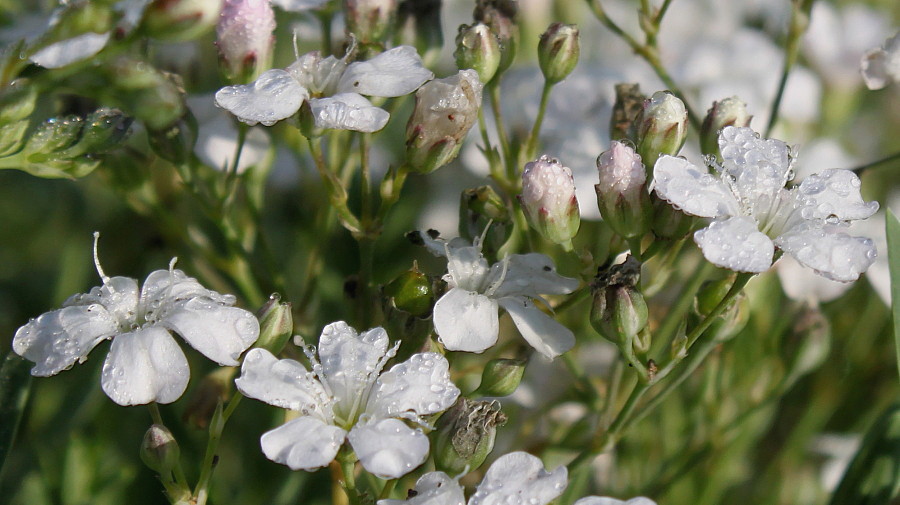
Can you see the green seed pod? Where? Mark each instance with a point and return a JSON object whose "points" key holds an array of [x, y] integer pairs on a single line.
{"points": [[619, 312], [276, 324], [477, 48], [558, 51], [501, 377], [411, 292], [159, 450], [464, 435], [661, 128]]}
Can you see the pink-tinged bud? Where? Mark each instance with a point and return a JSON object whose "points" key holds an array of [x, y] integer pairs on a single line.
{"points": [[501, 16], [558, 51], [244, 37], [369, 20], [548, 200], [622, 193], [662, 127], [445, 111], [478, 48], [179, 20], [728, 112]]}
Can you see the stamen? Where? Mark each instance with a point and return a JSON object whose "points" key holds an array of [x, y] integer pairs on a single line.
{"points": [[296, 48], [103, 276], [481, 238], [496, 284]]}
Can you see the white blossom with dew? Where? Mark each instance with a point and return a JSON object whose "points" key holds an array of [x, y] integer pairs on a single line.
{"points": [[347, 397], [144, 363], [466, 317], [333, 88], [517, 478], [753, 212]]}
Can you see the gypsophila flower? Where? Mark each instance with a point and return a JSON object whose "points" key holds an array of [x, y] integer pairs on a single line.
{"points": [[333, 87], [881, 65], [466, 318], [346, 397], [144, 363], [753, 212], [517, 478]]}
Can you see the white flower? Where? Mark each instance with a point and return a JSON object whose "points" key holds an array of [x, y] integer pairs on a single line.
{"points": [[517, 478], [881, 65], [466, 319], [144, 363], [334, 90], [346, 397], [753, 213]]}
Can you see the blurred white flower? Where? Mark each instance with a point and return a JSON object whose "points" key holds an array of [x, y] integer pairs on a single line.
{"points": [[881, 65], [144, 363], [753, 212], [346, 397], [334, 90], [217, 137], [517, 478], [466, 318]]}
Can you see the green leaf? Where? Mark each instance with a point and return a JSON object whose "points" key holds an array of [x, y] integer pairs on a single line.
{"points": [[15, 383], [873, 477], [893, 239]]}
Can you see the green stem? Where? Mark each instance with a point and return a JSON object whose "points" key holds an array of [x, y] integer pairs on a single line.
{"points": [[216, 427], [494, 89], [154, 414], [684, 300], [337, 193], [873, 164], [387, 489], [531, 147], [799, 22], [348, 466]]}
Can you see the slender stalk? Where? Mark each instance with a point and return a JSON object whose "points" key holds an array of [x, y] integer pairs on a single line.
{"points": [[494, 89], [799, 22], [154, 414], [873, 164], [216, 427], [347, 472], [337, 193], [531, 146], [683, 302], [387, 489]]}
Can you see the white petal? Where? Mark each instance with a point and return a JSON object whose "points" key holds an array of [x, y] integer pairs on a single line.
{"points": [[69, 51], [759, 166], [219, 332], [350, 361], [56, 340], [283, 383], [433, 488], [305, 443], [518, 478], [736, 244], [318, 75], [145, 366], [835, 192], [348, 111], [802, 284], [119, 295], [388, 448], [274, 96], [420, 385], [396, 72], [691, 189], [604, 500], [546, 335], [466, 321], [830, 252], [467, 268], [531, 274], [163, 288]]}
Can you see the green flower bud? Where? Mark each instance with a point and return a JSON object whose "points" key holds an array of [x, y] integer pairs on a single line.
{"points": [[710, 294], [728, 112], [159, 450], [464, 435], [214, 389], [477, 48], [500, 16], [411, 292], [17, 101], [548, 200], [627, 108], [482, 209], [154, 97], [622, 193], [619, 311], [444, 113], [501, 377], [180, 20], [669, 223], [102, 130], [731, 321], [662, 127], [276, 324], [558, 51], [369, 20], [175, 143]]}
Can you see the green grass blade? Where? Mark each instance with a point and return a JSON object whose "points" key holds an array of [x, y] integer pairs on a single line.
{"points": [[873, 477], [15, 383], [893, 252]]}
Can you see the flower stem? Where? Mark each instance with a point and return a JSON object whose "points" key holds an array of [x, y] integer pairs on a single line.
{"points": [[210, 459], [337, 193], [494, 89], [531, 146], [873, 164], [799, 22]]}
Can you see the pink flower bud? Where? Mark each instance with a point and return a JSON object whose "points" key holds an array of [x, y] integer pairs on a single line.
{"points": [[548, 200], [662, 127], [179, 20], [727, 112], [244, 37], [622, 193]]}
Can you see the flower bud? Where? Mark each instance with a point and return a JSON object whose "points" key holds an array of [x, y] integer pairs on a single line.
{"points": [[477, 48], [159, 450], [627, 108], [558, 51], [710, 294], [668, 222], [464, 435], [102, 130], [619, 311], [244, 37], [276, 324], [213, 390], [483, 213], [175, 143], [728, 112], [445, 110], [662, 127], [622, 193], [500, 16], [731, 321], [180, 20], [501, 377], [369, 20], [411, 292], [548, 200]]}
